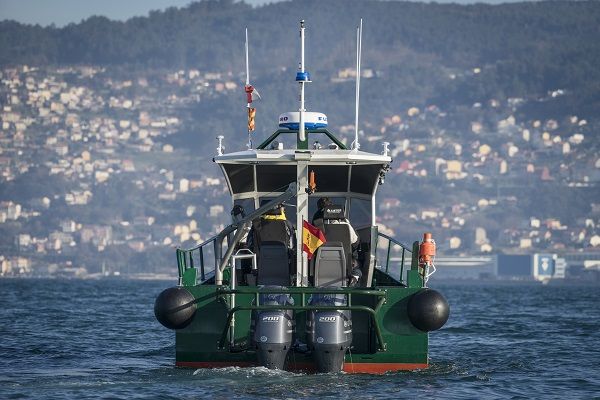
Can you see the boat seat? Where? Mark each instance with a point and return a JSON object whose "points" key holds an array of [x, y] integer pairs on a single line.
{"points": [[340, 233], [273, 264], [267, 230], [271, 239], [330, 265], [336, 229]]}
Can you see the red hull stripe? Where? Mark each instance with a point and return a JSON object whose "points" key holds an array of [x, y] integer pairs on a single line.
{"points": [[352, 368], [380, 368], [214, 364]]}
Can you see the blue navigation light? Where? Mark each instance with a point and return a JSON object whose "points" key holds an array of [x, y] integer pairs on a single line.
{"points": [[302, 76]]}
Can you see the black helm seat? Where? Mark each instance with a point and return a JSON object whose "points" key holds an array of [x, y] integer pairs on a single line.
{"points": [[334, 258], [271, 240]]}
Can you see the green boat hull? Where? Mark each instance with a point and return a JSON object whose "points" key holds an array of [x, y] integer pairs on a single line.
{"points": [[384, 339]]}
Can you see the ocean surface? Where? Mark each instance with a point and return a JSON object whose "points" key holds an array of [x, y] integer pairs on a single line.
{"points": [[71, 339]]}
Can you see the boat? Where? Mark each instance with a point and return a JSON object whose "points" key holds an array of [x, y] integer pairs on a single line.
{"points": [[330, 302]]}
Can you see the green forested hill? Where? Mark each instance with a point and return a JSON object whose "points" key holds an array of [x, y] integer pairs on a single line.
{"points": [[522, 48], [207, 34]]}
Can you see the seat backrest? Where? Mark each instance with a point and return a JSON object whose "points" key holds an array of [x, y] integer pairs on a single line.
{"points": [[330, 265], [340, 233], [273, 264], [270, 230]]}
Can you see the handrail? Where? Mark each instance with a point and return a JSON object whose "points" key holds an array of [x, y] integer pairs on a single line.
{"points": [[395, 241], [185, 259], [278, 132], [303, 291], [404, 247], [300, 290], [207, 241]]}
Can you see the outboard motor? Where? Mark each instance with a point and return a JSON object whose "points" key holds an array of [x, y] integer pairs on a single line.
{"points": [[272, 331], [329, 332]]}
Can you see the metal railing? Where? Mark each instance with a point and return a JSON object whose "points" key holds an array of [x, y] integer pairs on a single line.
{"points": [[185, 257], [196, 257], [190, 258], [403, 249], [278, 132], [304, 292]]}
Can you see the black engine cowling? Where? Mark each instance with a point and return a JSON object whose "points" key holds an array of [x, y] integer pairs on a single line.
{"points": [[428, 310], [175, 308]]}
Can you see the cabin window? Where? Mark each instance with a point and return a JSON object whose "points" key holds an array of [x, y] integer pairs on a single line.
{"points": [[241, 177], [275, 178], [247, 204], [360, 212], [289, 206], [312, 204], [364, 178], [330, 178]]}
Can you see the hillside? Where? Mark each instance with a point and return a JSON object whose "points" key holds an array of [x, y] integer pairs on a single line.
{"points": [[108, 127], [522, 48]]}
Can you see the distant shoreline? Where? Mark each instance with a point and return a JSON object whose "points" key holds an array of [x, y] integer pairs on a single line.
{"points": [[432, 283], [132, 277], [509, 282]]}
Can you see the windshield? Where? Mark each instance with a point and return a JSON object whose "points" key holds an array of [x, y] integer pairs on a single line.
{"points": [[360, 212], [289, 206]]}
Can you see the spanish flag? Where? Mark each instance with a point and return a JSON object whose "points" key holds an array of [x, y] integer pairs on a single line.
{"points": [[251, 115], [312, 238], [251, 94]]}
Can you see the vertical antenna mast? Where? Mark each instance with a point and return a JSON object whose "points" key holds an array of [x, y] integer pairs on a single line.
{"points": [[302, 77], [250, 91], [249, 145], [355, 144], [247, 63]]}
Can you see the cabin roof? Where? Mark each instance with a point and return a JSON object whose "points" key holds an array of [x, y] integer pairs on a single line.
{"points": [[291, 156], [336, 171]]}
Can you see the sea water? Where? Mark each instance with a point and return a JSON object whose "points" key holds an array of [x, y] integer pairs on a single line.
{"points": [[76, 339]]}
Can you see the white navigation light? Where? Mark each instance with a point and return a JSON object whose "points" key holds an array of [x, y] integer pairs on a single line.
{"points": [[312, 120]]}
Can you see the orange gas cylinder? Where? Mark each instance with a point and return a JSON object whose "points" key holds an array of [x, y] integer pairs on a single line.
{"points": [[426, 250]]}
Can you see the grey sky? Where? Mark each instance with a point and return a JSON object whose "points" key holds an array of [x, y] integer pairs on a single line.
{"points": [[62, 12]]}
